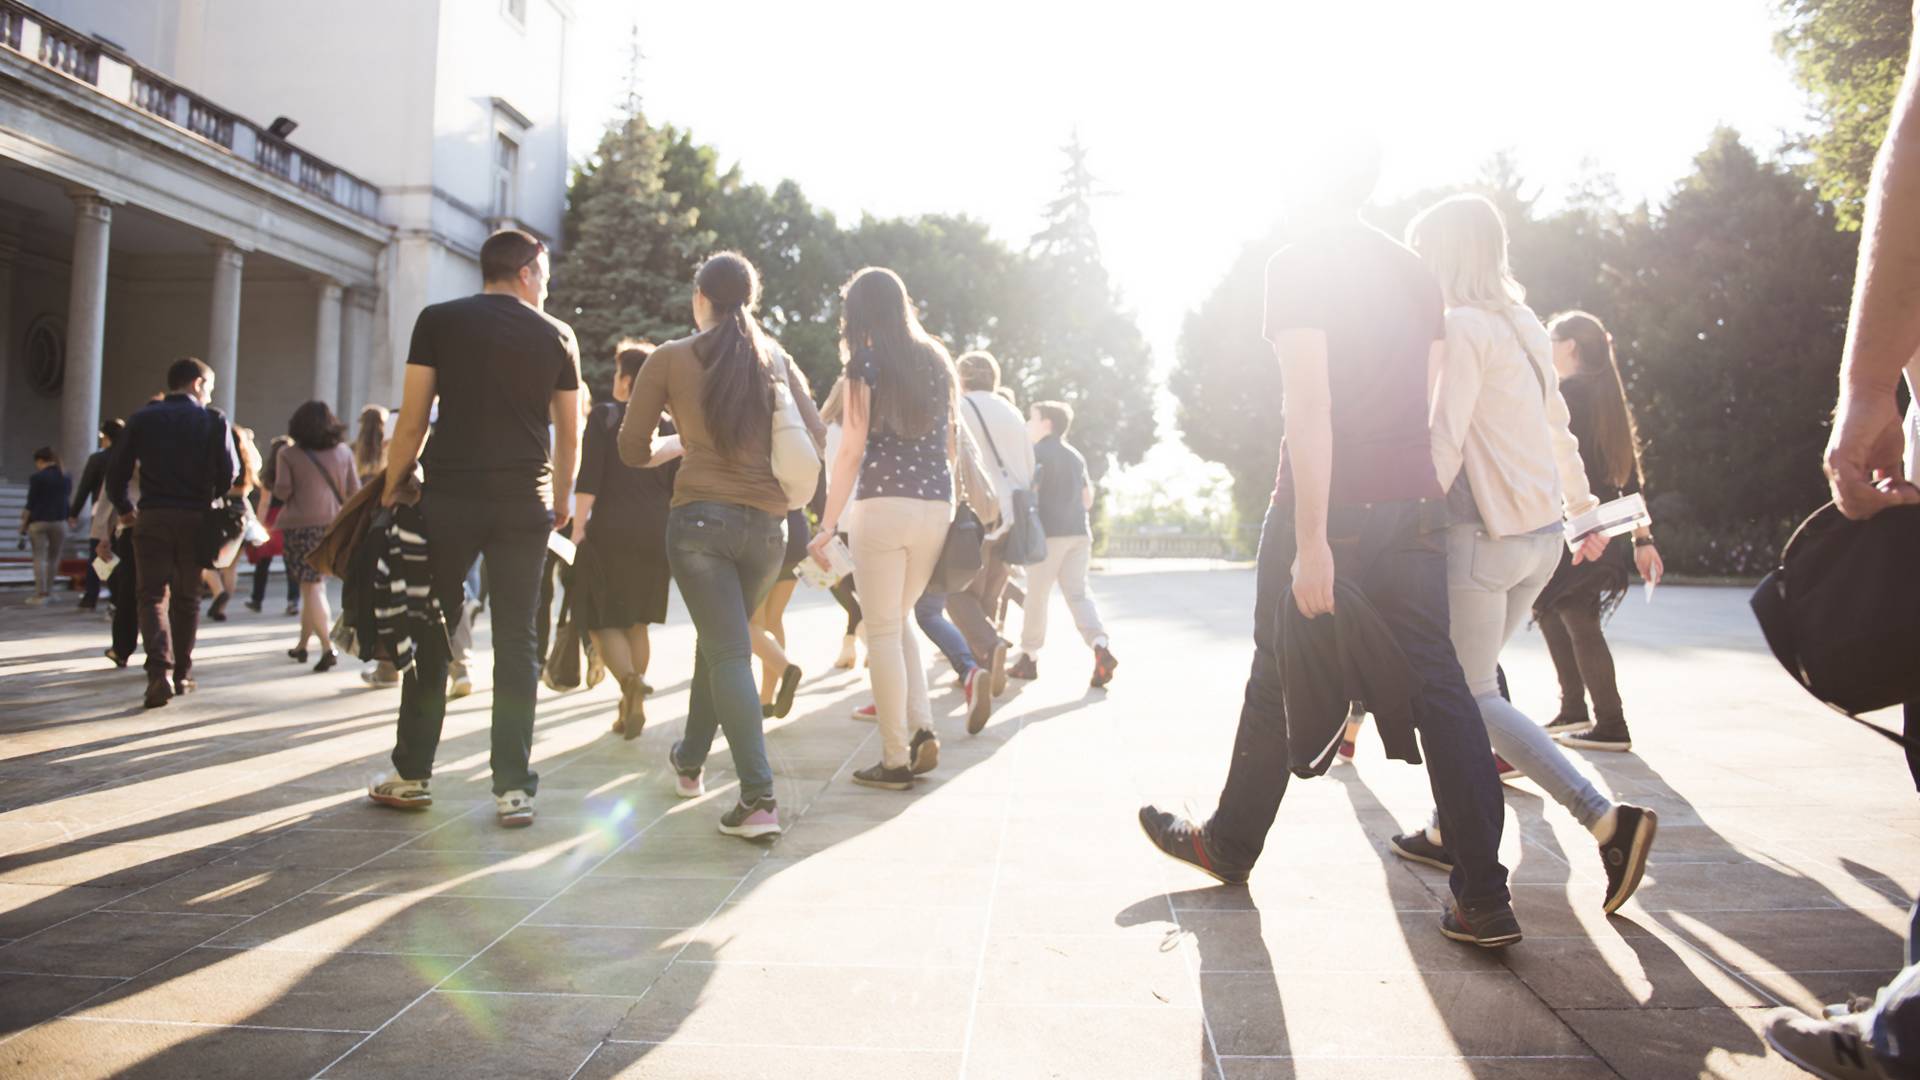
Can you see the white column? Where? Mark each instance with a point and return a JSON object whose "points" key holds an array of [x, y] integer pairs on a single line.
{"points": [[86, 329], [8, 250], [223, 334], [356, 362], [326, 346]]}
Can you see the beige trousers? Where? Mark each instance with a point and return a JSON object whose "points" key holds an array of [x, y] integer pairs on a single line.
{"points": [[896, 545]]}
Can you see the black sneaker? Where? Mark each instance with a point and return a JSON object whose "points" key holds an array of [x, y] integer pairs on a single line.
{"points": [[898, 779], [1567, 722], [1183, 840], [924, 752], [1415, 847], [1024, 668], [1598, 737], [1104, 664], [760, 819], [1495, 928], [1625, 856]]}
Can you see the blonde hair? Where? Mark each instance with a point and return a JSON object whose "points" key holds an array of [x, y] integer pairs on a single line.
{"points": [[1463, 240]]}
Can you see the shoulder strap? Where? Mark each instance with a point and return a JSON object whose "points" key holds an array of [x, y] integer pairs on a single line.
{"points": [[325, 475], [1532, 365], [984, 430]]}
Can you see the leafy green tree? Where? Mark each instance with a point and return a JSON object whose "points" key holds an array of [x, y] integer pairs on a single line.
{"points": [[1848, 55]]}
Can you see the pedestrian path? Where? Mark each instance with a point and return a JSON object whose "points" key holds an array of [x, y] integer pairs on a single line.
{"points": [[201, 891]]}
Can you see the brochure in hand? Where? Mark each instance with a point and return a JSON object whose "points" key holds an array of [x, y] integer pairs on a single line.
{"points": [[1622, 515], [840, 564]]}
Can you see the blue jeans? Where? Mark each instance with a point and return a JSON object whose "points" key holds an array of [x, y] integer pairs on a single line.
{"points": [[1396, 554], [725, 558], [930, 611], [1892, 1025]]}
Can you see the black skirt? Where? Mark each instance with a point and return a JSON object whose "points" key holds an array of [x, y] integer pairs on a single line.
{"points": [[1600, 585], [619, 581]]}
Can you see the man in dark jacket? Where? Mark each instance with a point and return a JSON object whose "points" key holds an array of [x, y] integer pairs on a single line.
{"points": [[184, 451], [92, 477]]}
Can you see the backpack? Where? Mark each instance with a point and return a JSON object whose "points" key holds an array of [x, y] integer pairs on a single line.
{"points": [[794, 457]]}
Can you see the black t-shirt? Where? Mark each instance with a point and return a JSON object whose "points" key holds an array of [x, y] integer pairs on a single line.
{"points": [[1059, 487], [629, 505], [1381, 311], [896, 466], [498, 362]]}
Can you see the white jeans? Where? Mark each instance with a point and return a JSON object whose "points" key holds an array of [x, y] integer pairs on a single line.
{"points": [[896, 545], [1066, 562]]}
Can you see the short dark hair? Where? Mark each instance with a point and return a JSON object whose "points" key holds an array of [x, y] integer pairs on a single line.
{"points": [[46, 453], [314, 427], [112, 430], [505, 252], [630, 354], [1057, 413], [182, 372], [978, 371]]}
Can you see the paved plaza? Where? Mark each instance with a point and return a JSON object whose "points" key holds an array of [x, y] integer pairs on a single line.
{"points": [[204, 891]]}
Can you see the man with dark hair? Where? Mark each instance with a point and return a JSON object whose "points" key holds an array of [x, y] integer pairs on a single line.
{"points": [[1065, 495], [1357, 322], [495, 486], [1000, 435], [186, 457], [92, 477]]}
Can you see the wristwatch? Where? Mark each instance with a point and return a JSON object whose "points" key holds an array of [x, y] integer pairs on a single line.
{"points": [[1643, 541]]}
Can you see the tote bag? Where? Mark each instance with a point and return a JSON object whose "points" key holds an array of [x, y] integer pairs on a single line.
{"points": [[795, 459]]}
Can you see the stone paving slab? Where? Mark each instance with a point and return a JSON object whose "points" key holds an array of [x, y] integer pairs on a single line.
{"points": [[201, 891]]}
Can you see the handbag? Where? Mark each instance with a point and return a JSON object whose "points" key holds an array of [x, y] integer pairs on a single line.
{"points": [[561, 672], [962, 555], [222, 529], [794, 457], [1026, 541]]}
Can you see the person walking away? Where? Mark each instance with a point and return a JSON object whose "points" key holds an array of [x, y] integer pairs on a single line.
{"points": [[113, 538], [314, 478], [620, 574], [370, 442], [44, 521], [1356, 322], [1000, 431], [185, 455], [269, 510], [92, 478], [1577, 602], [897, 445], [726, 533], [225, 580], [779, 676], [1871, 469], [496, 483], [1065, 495], [843, 590], [1502, 447]]}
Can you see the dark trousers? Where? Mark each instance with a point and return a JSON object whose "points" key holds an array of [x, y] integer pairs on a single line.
{"points": [[1582, 659], [260, 571], [513, 537], [123, 593], [843, 591], [90, 594], [1396, 553], [974, 608], [166, 549]]}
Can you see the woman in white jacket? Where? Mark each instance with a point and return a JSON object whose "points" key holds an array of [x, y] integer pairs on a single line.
{"points": [[1512, 471]]}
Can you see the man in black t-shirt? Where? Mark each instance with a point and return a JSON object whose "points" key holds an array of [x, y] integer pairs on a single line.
{"points": [[495, 485], [1357, 324]]}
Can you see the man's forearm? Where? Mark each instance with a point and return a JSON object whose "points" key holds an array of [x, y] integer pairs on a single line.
{"points": [[1883, 333], [1310, 456], [403, 452]]}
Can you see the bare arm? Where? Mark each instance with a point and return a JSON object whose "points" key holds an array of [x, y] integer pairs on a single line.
{"points": [[410, 430], [564, 408], [846, 464], [1309, 416]]}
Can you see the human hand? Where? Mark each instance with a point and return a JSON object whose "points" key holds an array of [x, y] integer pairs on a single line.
{"points": [[562, 507], [390, 494], [579, 531], [1646, 558], [1313, 580], [817, 547], [1864, 462], [1590, 548]]}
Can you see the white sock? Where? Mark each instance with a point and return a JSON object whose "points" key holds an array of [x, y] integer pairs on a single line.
{"points": [[1433, 837], [1100, 642], [1604, 829]]}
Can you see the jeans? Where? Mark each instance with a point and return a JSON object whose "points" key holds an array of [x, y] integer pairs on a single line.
{"points": [[1892, 1025], [725, 558], [1066, 562], [896, 545], [930, 611], [975, 608], [1396, 554], [166, 548], [1491, 586], [512, 534], [47, 538], [123, 594], [1582, 659]]}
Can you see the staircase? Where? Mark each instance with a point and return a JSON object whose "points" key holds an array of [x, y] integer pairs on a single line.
{"points": [[16, 559]]}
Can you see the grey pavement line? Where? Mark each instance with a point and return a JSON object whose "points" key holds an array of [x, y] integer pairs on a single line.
{"points": [[271, 947], [138, 911], [1192, 961], [207, 1025], [826, 964], [1007, 746], [829, 1047], [1419, 1057], [534, 994], [59, 975]]}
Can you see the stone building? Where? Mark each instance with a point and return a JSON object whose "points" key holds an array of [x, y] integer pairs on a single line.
{"points": [[276, 187]]}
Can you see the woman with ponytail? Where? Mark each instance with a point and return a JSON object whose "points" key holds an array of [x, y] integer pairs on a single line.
{"points": [[727, 529], [1579, 599]]}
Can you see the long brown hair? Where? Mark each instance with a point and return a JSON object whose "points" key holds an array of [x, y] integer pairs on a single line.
{"points": [[876, 313], [1601, 409], [370, 445], [736, 392]]}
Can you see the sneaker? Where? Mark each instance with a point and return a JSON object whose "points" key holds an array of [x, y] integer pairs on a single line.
{"points": [[1833, 1049], [979, 699], [1495, 928], [687, 783], [251, 605], [783, 697], [159, 691], [1416, 846], [1564, 722], [1858, 1003], [1625, 855], [380, 676], [513, 810], [1506, 770], [1024, 668], [998, 667], [293, 608], [879, 776], [1187, 842], [118, 660], [1598, 737], [36, 601], [1103, 666], [459, 683], [399, 793], [752, 822], [868, 712], [924, 752], [184, 685]]}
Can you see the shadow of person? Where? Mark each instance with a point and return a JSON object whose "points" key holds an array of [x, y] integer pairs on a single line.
{"points": [[1239, 994]]}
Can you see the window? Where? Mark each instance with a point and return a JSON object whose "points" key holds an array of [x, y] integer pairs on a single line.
{"points": [[515, 11], [506, 174]]}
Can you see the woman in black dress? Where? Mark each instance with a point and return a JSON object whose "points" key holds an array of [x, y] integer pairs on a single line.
{"points": [[620, 574]]}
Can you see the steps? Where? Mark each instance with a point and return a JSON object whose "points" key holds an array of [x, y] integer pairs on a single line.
{"points": [[16, 560]]}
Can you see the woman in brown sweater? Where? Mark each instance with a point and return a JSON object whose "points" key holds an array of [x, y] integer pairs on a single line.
{"points": [[313, 478], [727, 530]]}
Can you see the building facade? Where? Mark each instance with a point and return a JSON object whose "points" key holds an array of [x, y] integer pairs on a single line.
{"points": [[269, 185]]}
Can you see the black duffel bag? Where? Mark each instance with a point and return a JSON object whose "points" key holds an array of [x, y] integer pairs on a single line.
{"points": [[961, 556]]}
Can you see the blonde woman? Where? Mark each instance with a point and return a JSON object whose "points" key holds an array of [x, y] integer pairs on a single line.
{"points": [[370, 442], [1512, 470]]}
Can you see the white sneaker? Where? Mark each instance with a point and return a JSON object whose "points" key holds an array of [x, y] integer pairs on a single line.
{"points": [[514, 810], [460, 684], [390, 790], [380, 676], [36, 601]]}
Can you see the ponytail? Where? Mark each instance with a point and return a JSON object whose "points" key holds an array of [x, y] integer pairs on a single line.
{"points": [[736, 393]]}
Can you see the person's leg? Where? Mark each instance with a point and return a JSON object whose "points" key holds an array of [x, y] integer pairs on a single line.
{"points": [[930, 611], [515, 547], [183, 600], [880, 558], [639, 648], [972, 608], [1566, 665], [122, 590], [1595, 660], [612, 647], [90, 589], [153, 563], [293, 583], [1258, 772], [1039, 595], [843, 591], [758, 542], [316, 616], [925, 535], [453, 542], [720, 556], [40, 538], [260, 572], [1074, 567], [767, 646]]}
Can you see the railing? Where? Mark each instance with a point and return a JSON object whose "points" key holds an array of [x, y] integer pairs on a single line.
{"points": [[1167, 546], [115, 76]]}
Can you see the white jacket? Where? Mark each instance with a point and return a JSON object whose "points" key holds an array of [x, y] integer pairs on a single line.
{"points": [[1498, 414], [1013, 467]]}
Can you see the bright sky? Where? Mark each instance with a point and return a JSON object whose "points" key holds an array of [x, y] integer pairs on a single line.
{"points": [[891, 108]]}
